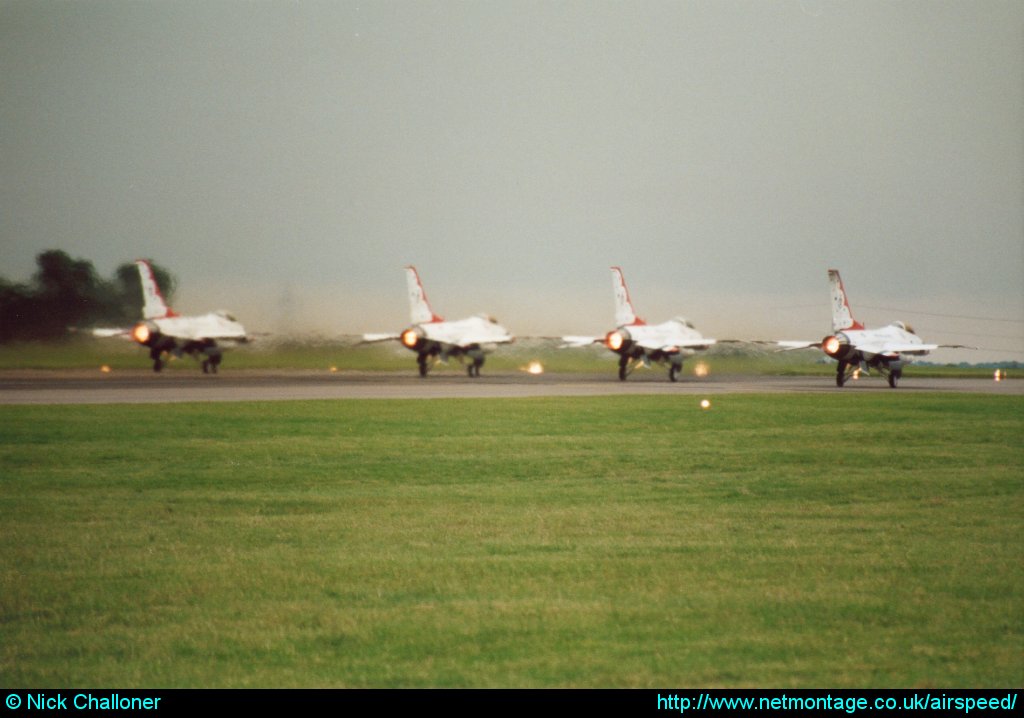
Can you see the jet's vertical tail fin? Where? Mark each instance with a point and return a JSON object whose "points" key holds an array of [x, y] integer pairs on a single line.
{"points": [[624, 314], [842, 315], [419, 308], [153, 304]]}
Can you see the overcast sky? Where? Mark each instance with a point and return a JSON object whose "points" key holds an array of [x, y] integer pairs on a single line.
{"points": [[286, 159]]}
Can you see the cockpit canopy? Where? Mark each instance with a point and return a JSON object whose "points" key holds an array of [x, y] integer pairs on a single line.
{"points": [[905, 327]]}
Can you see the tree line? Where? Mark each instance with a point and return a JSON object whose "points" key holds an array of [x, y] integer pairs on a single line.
{"points": [[66, 294]]}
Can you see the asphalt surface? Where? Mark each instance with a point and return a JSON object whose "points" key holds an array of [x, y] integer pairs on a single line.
{"points": [[143, 387]]}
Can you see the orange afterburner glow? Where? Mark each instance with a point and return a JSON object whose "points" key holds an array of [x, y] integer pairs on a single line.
{"points": [[831, 345], [141, 333], [615, 340], [409, 338]]}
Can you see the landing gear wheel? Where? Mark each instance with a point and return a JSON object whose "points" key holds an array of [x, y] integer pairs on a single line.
{"points": [[157, 363], [673, 372], [474, 368], [212, 360], [623, 368], [422, 362], [894, 376], [841, 374]]}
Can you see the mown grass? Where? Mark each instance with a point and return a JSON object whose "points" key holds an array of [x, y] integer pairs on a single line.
{"points": [[799, 541]]}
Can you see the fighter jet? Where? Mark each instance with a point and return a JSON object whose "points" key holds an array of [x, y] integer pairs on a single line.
{"points": [[857, 348], [433, 338], [638, 343], [164, 331]]}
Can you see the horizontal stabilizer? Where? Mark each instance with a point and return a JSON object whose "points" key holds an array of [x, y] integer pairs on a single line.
{"points": [[111, 332], [578, 341], [790, 345], [370, 338]]}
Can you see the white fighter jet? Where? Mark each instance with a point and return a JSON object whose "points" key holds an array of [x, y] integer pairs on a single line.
{"points": [[164, 331], [433, 339], [856, 348], [636, 342]]}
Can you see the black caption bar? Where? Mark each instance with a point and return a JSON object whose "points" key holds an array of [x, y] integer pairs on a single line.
{"points": [[694, 701]]}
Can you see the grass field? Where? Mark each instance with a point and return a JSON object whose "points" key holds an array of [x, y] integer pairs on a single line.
{"points": [[347, 354], [845, 540]]}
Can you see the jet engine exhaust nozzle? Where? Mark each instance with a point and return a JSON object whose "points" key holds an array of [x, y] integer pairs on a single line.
{"points": [[145, 333], [836, 346], [617, 340], [412, 337]]}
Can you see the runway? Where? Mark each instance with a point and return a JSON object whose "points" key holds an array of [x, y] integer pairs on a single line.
{"points": [[142, 387]]}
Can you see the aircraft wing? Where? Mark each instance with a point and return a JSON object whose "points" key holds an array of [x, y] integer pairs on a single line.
{"points": [[894, 347], [579, 341], [469, 340], [200, 336], [218, 326], [685, 344]]}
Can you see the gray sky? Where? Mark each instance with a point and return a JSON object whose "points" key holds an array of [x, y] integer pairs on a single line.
{"points": [[286, 159]]}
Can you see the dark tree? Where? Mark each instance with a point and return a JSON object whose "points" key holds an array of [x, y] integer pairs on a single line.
{"points": [[66, 294], [69, 294], [17, 310]]}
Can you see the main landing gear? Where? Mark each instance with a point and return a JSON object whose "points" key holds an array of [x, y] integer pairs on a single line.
{"points": [[426, 361], [157, 356], [627, 365], [211, 360], [842, 374], [894, 375], [893, 372]]}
